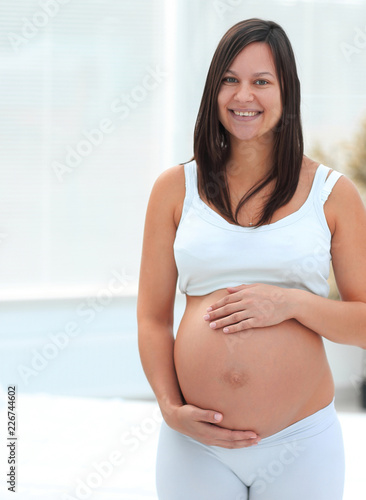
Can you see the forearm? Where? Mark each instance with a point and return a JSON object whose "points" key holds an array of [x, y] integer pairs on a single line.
{"points": [[156, 343], [338, 321]]}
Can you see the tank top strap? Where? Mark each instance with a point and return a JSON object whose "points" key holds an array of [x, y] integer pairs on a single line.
{"points": [[324, 184], [329, 184], [190, 174]]}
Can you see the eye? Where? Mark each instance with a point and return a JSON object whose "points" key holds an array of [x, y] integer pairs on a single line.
{"points": [[229, 79], [261, 82]]}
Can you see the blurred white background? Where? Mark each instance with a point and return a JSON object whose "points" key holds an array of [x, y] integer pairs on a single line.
{"points": [[97, 97]]}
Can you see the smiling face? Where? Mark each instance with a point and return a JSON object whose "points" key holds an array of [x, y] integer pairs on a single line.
{"points": [[249, 100]]}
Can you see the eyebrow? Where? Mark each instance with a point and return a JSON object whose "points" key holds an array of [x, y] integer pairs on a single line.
{"points": [[261, 73]]}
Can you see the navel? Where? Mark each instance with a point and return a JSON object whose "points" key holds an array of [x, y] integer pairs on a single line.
{"points": [[235, 379]]}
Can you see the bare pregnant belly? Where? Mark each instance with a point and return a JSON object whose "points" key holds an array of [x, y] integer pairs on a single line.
{"points": [[262, 379]]}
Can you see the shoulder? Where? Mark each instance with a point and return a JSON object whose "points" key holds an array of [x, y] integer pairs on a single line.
{"points": [[344, 196], [343, 201], [344, 205], [168, 192], [170, 179]]}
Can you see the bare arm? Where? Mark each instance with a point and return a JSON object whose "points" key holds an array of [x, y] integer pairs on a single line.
{"points": [[157, 287], [158, 277]]}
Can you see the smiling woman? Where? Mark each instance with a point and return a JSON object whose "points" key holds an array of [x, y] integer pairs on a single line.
{"points": [[213, 143], [247, 97], [248, 365]]}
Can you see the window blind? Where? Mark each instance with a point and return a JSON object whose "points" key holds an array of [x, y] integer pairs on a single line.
{"points": [[82, 92], [98, 97]]}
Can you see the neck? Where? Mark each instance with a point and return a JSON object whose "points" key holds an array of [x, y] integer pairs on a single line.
{"points": [[250, 160]]}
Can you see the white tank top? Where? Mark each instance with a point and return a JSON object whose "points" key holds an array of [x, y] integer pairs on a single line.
{"points": [[294, 252]]}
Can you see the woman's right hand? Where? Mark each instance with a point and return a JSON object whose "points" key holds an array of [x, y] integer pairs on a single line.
{"points": [[201, 425]]}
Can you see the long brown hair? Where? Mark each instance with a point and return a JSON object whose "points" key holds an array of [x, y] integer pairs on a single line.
{"points": [[211, 143]]}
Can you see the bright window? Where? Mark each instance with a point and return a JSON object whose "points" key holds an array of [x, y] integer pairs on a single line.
{"points": [[98, 97]]}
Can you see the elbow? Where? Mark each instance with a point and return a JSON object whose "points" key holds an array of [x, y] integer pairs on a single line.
{"points": [[151, 326]]}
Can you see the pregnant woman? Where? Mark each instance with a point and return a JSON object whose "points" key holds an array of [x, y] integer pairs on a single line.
{"points": [[248, 229]]}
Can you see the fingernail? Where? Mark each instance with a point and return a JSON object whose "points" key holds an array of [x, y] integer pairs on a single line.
{"points": [[225, 330], [213, 325], [209, 309], [217, 416], [206, 316]]}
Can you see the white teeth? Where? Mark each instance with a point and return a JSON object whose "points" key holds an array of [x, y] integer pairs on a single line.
{"points": [[245, 113]]}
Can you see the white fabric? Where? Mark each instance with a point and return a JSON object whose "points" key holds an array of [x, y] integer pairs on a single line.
{"points": [[304, 461], [293, 252]]}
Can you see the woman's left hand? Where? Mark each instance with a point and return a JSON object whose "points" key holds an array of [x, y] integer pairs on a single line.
{"points": [[249, 306]]}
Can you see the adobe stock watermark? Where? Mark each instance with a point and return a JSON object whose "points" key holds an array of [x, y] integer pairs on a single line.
{"points": [[358, 45], [121, 107], [48, 9], [222, 7], [101, 471], [299, 272], [233, 339], [267, 475], [57, 342], [294, 276]]}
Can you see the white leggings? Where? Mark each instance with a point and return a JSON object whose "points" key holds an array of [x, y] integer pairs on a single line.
{"points": [[305, 461]]}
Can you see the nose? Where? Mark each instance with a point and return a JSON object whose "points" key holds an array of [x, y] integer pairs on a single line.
{"points": [[244, 93]]}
